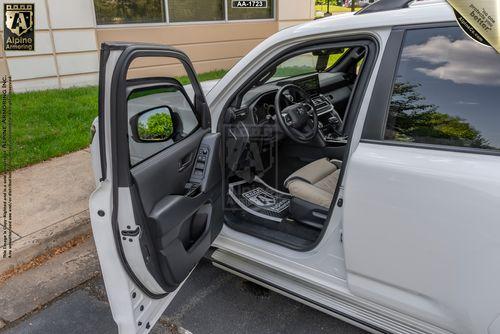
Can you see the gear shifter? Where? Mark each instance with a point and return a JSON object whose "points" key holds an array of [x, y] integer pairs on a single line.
{"points": [[333, 124]]}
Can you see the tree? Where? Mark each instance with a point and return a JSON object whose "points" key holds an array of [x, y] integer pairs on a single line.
{"points": [[413, 120]]}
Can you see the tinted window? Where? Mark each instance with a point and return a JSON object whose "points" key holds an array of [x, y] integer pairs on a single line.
{"points": [[195, 10], [446, 92], [121, 12]]}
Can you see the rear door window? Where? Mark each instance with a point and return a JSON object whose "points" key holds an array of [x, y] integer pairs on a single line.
{"points": [[446, 91]]}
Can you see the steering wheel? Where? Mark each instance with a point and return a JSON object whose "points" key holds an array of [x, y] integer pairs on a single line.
{"points": [[299, 121]]}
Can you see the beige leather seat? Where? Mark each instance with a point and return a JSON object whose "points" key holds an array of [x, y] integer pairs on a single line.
{"points": [[316, 182]]}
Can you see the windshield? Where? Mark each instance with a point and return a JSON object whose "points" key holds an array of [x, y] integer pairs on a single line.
{"points": [[307, 63]]}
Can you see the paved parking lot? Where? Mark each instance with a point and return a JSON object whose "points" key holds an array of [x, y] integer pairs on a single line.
{"points": [[212, 301]]}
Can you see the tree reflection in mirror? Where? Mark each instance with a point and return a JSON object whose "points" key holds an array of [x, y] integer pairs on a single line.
{"points": [[155, 125]]}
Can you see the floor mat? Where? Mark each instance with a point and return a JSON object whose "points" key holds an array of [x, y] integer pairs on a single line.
{"points": [[260, 199]]}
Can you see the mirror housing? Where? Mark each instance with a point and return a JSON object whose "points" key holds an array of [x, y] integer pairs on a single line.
{"points": [[153, 125]]}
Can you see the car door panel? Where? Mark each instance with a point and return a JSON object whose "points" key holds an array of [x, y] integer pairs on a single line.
{"points": [[153, 215], [183, 224], [161, 175], [422, 236]]}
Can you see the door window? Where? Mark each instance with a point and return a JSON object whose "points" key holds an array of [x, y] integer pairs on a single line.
{"points": [[446, 91], [160, 112]]}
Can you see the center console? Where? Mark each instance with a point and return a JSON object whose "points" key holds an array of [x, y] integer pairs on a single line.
{"points": [[328, 120]]}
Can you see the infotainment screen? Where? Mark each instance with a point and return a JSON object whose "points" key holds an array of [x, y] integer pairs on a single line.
{"points": [[310, 84]]}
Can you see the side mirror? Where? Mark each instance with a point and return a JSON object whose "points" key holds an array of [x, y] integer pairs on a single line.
{"points": [[153, 125]]}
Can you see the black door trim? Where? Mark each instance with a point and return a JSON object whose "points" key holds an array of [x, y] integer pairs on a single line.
{"points": [[101, 114], [119, 127]]}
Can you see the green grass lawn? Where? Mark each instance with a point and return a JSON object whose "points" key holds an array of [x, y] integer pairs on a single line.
{"points": [[51, 123]]}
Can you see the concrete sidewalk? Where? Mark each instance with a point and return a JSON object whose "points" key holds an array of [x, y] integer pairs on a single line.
{"points": [[49, 206]]}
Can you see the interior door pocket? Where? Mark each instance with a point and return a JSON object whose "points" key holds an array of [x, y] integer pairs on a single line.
{"points": [[180, 246], [191, 243]]}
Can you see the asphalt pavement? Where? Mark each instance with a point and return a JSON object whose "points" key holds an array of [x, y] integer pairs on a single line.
{"points": [[212, 301]]}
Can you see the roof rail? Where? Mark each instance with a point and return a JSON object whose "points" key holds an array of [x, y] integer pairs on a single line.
{"points": [[383, 6]]}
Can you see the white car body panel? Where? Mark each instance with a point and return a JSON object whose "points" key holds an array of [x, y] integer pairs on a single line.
{"points": [[417, 253], [337, 281], [125, 308]]}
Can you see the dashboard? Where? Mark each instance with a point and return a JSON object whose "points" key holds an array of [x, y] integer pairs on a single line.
{"points": [[330, 93], [326, 90], [336, 87]]}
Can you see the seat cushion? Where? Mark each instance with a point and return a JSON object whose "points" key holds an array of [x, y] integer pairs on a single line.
{"points": [[315, 183], [313, 172]]}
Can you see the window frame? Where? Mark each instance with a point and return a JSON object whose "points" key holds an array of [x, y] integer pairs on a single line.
{"points": [[142, 84], [167, 21], [378, 109], [119, 102]]}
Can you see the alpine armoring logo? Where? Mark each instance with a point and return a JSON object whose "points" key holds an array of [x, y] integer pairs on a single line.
{"points": [[19, 27]]}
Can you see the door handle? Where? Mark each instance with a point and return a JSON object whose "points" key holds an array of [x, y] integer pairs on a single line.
{"points": [[185, 162]]}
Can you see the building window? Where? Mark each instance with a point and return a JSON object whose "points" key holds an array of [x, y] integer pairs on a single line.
{"points": [[129, 11], [154, 11], [195, 10], [446, 91], [250, 13]]}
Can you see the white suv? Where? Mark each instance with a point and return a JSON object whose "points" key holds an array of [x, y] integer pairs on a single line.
{"points": [[351, 163]]}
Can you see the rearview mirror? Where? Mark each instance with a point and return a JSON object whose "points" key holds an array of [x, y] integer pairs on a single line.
{"points": [[328, 52], [153, 125]]}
